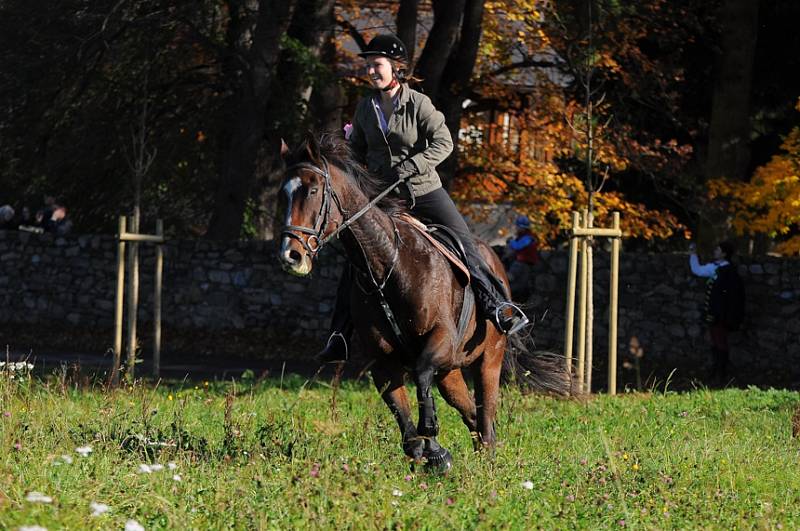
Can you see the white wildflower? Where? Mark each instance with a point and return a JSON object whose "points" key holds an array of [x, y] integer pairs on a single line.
{"points": [[176, 477], [67, 459], [83, 451], [99, 509], [171, 465], [145, 469], [133, 525], [397, 492], [38, 497], [527, 485], [155, 467], [16, 366], [31, 528]]}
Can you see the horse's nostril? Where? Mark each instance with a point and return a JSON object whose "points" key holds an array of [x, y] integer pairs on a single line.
{"points": [[295, 256]]}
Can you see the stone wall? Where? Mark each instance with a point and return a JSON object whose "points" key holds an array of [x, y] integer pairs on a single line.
{"points": [[220, 296], [60, 291], [661, 308]]}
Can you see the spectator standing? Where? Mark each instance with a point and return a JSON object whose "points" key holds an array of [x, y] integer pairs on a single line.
{"points": [[523, 254], [43, 217], [58, 223], [724, 304]]}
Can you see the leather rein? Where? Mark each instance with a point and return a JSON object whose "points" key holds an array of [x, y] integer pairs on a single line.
{"points": [[316, 234]]}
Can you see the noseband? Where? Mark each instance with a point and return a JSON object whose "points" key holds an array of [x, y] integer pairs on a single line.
{"points": [[315, 240], [329, 196]]}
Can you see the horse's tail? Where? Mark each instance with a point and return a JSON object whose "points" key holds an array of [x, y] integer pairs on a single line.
{"points": [[536, 371]]}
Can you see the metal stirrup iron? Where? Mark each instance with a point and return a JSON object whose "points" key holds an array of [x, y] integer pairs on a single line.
{"points": [[516, 309], [346, 348]]}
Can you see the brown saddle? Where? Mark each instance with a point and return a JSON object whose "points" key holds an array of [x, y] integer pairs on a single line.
{"points": [[456, 262]]}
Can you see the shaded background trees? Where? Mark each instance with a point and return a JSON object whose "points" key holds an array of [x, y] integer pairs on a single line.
{"points": [[688, 92]]}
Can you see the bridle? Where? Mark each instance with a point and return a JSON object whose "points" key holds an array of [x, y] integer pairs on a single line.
{"points": [[315, 239], [329, 196], [316, 235]]}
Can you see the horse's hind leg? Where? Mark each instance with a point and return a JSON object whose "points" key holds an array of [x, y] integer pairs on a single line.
{"points": [[389, 381], [455, 391], [487, 390]]}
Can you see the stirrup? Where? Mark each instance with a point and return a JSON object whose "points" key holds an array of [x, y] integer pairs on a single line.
{"points": [[346, 348], [517, 324]]}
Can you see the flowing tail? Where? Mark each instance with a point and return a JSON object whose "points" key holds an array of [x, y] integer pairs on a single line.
{"points": [[536, 371]]}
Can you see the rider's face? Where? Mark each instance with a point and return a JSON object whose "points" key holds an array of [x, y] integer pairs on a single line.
{"points": [[379, 70]]}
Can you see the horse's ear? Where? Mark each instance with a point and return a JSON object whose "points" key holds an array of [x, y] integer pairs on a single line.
{"points": [[312, 146], [284, 149]]}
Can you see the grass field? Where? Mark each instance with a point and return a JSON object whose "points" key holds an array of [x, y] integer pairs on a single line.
{"points": [[281, 454]]}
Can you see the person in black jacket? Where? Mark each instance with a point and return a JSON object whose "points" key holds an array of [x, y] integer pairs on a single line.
{"points": [[724, 305]]}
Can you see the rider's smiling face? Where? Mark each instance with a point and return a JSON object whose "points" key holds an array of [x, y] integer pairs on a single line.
{"points": [[379, 70]]}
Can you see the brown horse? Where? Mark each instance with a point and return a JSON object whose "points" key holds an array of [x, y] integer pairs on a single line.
{"points": [[326, 193]]}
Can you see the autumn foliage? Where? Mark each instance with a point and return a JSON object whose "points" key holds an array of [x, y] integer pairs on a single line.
{"points": [[536, 159], [770, 202]]}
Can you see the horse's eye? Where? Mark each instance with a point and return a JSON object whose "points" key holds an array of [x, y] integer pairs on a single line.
{"points": [[313, 191]]}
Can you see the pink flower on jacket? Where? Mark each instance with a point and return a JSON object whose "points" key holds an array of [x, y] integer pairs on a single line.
{"points": [[348, 130]]}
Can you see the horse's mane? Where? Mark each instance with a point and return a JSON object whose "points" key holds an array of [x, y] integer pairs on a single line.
{"points": [[336, 151]]}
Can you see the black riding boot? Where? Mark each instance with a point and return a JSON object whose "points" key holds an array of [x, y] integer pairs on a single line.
{"points": [[337, 348], [505, 315], [437, 207]]}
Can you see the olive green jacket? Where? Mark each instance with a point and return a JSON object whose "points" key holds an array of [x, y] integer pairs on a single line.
{"points": [[417, 131]]}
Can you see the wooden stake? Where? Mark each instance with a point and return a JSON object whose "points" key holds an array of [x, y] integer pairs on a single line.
{"points": [[120, 295], [570, 309], [582, 308], [589, 306], [157, 300], [612, 310], [133, 300]]}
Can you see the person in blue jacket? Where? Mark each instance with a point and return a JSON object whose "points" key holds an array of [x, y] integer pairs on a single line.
{"points": [[522, 254]]}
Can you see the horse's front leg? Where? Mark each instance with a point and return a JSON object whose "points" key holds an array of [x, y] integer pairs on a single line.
{"points": [[438, 458], [390, 383]]}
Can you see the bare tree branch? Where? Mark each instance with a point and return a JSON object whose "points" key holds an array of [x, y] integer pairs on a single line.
{"points": [[354, 33]]}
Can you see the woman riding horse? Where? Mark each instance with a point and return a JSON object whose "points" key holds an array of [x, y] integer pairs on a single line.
{"points": [[415, 316], [399, 135]]}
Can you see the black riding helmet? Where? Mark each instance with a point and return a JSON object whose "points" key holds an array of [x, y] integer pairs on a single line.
{"points": [[387, 45]]}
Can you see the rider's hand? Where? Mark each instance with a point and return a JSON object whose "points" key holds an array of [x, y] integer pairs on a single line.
{"points": [[405, 170]]}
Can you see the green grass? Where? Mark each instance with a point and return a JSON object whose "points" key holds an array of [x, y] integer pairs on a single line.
{"points": [[274, 455]]}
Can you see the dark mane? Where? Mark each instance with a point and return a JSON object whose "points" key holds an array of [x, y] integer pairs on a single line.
{"points": [[337, 151]]}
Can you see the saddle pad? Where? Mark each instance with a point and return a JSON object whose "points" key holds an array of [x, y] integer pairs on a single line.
{"points": [[453, 259]]}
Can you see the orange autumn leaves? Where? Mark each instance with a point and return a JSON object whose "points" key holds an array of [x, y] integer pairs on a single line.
{"points": [[535, 159], [770, 202], [548, 196]]}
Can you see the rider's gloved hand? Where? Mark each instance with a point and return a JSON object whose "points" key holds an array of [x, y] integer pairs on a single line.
{"points": [[403, 171]]}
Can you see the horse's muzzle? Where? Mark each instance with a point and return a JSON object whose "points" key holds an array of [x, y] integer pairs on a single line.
{"points": [[293, 260]]}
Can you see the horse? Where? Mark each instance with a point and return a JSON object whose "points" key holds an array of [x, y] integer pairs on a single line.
{"points": [[326, 193]]}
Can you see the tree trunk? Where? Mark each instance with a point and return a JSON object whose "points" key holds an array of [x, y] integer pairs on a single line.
{"points": [[407, 25], [236, 175], [456, 80], [322, 111], [447, 16], [728, 139], [328, 100]]}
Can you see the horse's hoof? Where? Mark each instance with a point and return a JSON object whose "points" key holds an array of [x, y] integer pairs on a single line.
{"points": [[414, 449], [438, 461]]}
